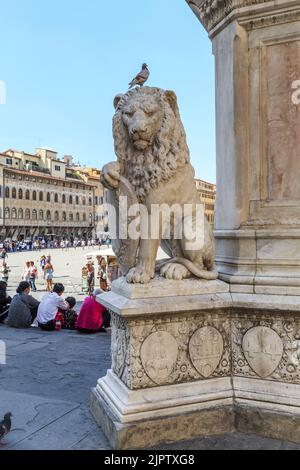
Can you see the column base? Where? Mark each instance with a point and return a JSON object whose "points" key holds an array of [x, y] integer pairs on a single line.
{"points": [[145, 418]]}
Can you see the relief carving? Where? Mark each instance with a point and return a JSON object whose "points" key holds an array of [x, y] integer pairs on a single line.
{"points": [[267, 361], [263, 350], [181, 328], [213, 12], [120, 348], [206, 350], [159, 355]]}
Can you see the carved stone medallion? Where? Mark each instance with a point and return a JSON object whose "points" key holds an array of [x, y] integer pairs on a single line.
{"points": [[159, 354], [206, 349], [263, 350]]}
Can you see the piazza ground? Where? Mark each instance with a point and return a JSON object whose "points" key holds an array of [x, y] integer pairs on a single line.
{"points": [[48, 376]]}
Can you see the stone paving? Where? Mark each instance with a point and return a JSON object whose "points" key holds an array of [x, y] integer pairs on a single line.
{"points": [[47, 379]]}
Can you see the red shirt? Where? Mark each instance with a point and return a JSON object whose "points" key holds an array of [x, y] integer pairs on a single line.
{"points": [[90, 315]]}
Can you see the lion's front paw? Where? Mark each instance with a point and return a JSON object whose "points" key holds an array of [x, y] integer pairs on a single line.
{"points": [[139, 275], [110, 175], [175, 271]]}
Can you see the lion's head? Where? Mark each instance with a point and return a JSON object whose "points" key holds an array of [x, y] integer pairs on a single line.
{"points": [[150, 141]]}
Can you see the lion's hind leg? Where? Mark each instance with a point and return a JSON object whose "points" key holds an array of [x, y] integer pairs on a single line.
{"points": [[175, 271]]}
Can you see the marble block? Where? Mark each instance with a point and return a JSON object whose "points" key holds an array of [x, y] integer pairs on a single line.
{"points": [[182, 359]]}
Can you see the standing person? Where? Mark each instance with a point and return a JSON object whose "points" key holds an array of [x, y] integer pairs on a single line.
{"points": [[48, 274], [43, 262], [33, 274], [93, 317], [83, 244], [90, 278], [23, 308], [50, 308], [5, 301], [102, 274], [26, 272], [4, 272]]}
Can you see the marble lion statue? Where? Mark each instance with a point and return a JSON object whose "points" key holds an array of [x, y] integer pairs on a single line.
{"points": [[153, 168]]}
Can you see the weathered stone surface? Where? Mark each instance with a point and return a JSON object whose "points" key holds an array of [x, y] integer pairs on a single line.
{"points": [[263, 350], [206, 349], [154, 175]]}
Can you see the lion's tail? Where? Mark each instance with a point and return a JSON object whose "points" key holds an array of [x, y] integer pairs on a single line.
{"points": [[201, 273]]}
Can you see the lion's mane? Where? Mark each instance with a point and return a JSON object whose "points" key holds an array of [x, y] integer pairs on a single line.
{"points": [[169, 151]]}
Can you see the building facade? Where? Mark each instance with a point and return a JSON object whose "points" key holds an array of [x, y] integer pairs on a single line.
{"points": [[42, 196], [92, 177], [207, 192]]}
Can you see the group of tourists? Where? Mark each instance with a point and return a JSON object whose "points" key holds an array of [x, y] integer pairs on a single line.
{"points": [[42, 243], [30, 273], [53, 312]]}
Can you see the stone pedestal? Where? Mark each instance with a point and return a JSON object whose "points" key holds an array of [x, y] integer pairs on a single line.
{"points": [[202, 362], [256, 44]]}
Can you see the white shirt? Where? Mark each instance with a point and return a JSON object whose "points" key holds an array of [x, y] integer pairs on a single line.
{"points": [[49, 305]]}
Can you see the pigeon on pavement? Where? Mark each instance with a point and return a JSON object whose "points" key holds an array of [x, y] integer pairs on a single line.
{"points": [[5, 425], [141, 77]]}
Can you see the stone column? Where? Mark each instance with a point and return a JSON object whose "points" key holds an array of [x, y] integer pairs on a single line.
{"points": [[256, 44]]}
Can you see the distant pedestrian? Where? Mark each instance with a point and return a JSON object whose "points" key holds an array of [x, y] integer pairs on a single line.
{"points": [[90, 278], [26, 272], [43, 262], [48, 274], [33, 274]]}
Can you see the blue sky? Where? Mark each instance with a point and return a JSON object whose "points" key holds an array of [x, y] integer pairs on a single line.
{"points": [[63, 62]]}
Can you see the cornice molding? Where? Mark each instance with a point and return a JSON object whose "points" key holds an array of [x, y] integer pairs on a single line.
{"points": [[253, 13]]}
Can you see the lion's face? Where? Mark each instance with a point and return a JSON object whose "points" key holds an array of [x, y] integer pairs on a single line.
{"points": [[142, 117]]}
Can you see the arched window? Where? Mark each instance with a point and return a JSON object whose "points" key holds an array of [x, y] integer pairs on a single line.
{"points": [[77, 200], [71, 217], [14, 213], [41, 215], [56, 216], [20, 194], [63, 199], [64, 216], [83, 201], [48, 215], [27, 196], [77, 217], [90, 201], [91, 219], [7, 213], [70, 200], [41, 196], [48, 197], [14, 193], [20, 214], [34, 214], [56, 198], [84, 217], [34, 196], [27, 214], [7, 192]]}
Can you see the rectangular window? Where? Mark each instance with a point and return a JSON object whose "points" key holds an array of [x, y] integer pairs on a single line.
{"points": [[9, 161], [57, 168]]}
